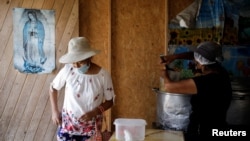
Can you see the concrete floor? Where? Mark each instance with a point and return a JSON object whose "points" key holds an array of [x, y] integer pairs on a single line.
{"points": [[239, 111]]}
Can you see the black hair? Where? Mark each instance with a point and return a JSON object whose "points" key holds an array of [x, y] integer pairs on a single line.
{"points": [[217, 67]]}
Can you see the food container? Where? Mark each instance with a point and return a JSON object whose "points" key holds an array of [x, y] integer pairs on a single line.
{"points": [[130, 129], [173, 110]]}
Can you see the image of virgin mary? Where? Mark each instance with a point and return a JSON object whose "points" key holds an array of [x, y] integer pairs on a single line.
{"points": [[33, 40]]}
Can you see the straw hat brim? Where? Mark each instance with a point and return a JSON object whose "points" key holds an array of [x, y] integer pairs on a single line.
{"points": [[77, 56]]}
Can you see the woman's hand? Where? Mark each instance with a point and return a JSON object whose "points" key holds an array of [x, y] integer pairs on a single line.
{"points": [[89, 116], [97, 111], [164, 68], [56, 118], [167, 59]]}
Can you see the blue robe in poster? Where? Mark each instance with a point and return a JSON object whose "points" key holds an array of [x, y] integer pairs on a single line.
{"points": [[33, 39]]}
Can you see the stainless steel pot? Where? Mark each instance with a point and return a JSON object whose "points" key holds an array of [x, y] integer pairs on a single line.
{"points": [[173, 110]]}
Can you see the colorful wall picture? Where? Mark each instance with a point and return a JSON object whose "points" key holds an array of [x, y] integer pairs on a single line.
{"points": [[237, 60], [185, 68], [194, 36], [34, 40]]}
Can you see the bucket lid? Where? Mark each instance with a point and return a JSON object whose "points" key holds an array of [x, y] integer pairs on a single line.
{"points": [[130, 122]]}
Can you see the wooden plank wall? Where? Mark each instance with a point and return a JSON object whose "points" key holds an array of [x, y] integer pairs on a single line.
{"points": [[138, 38], [24, 101]]}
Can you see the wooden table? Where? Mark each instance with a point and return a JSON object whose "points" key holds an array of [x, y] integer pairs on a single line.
{"points": [[159, 135]]}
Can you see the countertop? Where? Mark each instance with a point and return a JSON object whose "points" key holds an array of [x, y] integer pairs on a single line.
{"points": [[159, 135]]}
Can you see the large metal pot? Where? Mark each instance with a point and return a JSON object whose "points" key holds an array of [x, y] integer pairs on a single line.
{"points": [[173, 110]]}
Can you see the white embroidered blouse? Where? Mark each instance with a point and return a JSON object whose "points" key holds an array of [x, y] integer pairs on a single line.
{"points": [[83, 93]]}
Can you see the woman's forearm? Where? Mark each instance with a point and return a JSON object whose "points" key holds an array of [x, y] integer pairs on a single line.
{"points": [[53, 99], [185, 55]]}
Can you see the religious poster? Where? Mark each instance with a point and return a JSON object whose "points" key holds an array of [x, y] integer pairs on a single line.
{"points": [[34, 40]]}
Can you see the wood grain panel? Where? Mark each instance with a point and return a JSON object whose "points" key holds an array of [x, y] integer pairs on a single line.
{"points": [[71, 30], [24, 94], [95, 19], [4, 6], [11, 103], [48, 4], [7, 76], [22, 103], [5, 34], [96, 26], [175, 7], [138, 38], [25, 112]]}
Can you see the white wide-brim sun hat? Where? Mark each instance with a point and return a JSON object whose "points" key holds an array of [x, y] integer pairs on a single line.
{"points": [[78, 50]]}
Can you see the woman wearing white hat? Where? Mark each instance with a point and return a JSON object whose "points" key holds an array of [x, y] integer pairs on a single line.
{"points": [[86, 86], [211, 91]]}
